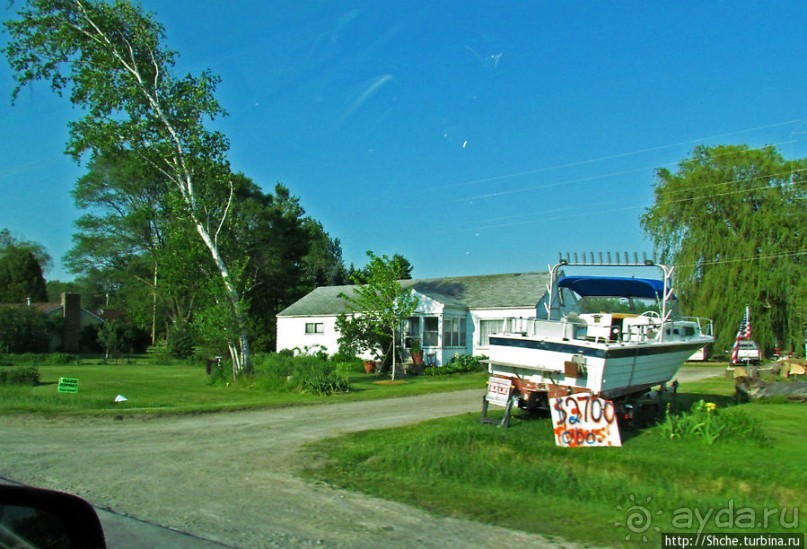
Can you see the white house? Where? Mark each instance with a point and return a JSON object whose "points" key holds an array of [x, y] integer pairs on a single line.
{"points": [[454, 315]]}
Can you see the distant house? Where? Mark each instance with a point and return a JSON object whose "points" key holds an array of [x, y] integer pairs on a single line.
{"points": [[454, 315], [75, 318]]}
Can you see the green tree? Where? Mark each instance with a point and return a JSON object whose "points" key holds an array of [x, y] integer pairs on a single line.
{"points": [[732, 221], [323, 264], [41, 255], [21, 276], [135, 243], [118, 336], [23, 330], [56, 288], [272, 227], [111, 59], [145, 252], [380, 304], [400, 267]]}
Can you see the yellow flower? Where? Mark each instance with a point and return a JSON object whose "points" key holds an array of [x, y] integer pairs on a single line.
{"points": [[711, 406]]}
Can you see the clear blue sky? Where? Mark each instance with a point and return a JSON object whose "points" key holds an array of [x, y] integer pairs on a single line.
{"points": [[472, 137]]}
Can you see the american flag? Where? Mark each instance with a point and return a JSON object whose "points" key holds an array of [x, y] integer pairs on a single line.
{"points": [[743, 333]]}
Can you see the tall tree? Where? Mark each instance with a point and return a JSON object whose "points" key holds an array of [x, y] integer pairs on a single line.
{"points": [[732, 221], [20, 276], [285, 253], [132, 232], [323, 265], [41, 255], [270, 228], [381, 302], [399, 266], [111, 58]]}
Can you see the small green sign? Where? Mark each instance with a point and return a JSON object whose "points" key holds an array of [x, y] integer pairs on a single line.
{"points": [[68, 385]]}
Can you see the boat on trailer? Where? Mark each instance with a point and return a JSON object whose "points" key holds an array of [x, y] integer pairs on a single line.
{"points": [[613, 337]]}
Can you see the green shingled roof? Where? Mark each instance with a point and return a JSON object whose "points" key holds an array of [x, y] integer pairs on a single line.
{"points": [[472, 292]]}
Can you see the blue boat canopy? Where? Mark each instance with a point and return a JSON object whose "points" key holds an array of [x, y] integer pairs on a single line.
{"points": [[611, 286]]}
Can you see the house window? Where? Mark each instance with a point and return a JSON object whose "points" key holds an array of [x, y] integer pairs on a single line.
{"points": [[431, 331], [487, 327], [314, 328], [411, 330], [453, 332]]}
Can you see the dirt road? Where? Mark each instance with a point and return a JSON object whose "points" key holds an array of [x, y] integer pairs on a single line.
{"points": [[230, 478]]}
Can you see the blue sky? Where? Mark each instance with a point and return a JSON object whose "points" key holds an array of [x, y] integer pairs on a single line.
{"points": [[472, 137]]}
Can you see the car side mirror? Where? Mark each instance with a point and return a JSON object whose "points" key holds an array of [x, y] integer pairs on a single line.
{"points": [[34, 517]]}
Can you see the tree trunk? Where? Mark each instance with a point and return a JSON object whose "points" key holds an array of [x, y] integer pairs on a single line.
{"points": [[394, 348], [242, 361], [154, 309]]}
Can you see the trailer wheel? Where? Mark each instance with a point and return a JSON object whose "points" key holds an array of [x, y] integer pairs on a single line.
{"points": [[648, 415]]}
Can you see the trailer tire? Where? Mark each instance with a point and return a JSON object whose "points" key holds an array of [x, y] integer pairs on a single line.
{"points": [[648, 415]]}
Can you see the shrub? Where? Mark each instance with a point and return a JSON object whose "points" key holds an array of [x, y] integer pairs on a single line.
{"points": [[60, 358], [221, 371], [317, 350], [23, 330], [19, 375], [20, 359], [468, 363], [341, 356], [706, 422], [279, 372], [121, 336], [36, 359], [323, 378], [159, 353], [88, 339], [181, 340], [460, 364]]}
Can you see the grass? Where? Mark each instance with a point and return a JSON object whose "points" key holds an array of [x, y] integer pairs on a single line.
{"points": [[154, 389], [518, 478]]}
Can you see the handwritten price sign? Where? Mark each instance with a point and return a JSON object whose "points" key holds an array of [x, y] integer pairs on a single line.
{"points": [[583, 420], [498, 391]]}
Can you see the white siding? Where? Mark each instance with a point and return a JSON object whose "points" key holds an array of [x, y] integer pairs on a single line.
{"points": [[291, 333], [427, 305]]}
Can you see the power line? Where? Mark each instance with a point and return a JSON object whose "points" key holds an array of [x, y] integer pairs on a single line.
{"points": [[764, 176], [624, 207], [745, 259], [614, 156]]}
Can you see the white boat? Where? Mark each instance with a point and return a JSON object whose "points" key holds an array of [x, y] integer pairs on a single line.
{"points": [[612, 337]]}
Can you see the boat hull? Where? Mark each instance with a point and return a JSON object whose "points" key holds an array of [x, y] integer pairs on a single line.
{"points": [[605, 369]]}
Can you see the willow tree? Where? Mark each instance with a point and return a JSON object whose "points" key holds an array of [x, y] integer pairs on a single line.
{"points": [[732, 220], [110, 58]]}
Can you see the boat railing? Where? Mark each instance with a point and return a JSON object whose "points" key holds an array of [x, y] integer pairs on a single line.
{"points": [[649, 330], [704, 324], [643, 328], [567, 328]]}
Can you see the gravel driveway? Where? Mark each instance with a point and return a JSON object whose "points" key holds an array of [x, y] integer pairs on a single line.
{"points": [[231, 478]]}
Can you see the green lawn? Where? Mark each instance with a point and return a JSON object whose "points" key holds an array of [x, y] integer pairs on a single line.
{"points": [[518, 478], [154, 389]]}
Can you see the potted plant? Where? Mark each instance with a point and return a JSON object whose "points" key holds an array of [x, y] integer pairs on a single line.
{"points": [[417, 352]]}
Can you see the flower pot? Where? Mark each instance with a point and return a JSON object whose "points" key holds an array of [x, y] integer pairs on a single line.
{"points": [[369, 366], [417, 357]]}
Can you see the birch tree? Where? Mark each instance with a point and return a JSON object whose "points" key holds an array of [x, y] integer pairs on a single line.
{"points": [[110, 59]]}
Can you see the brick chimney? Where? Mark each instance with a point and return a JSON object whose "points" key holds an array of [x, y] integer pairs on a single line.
{"points": [[71, 310]]}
